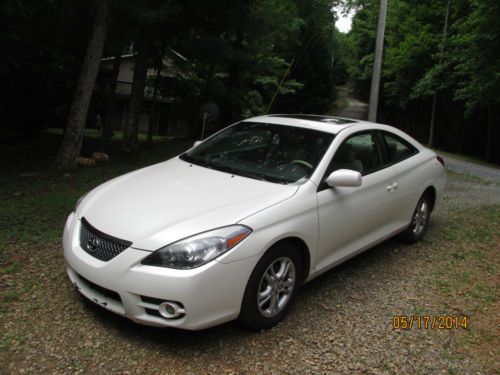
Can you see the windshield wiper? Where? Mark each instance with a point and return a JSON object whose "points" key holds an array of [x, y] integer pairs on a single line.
{"points": [[253, 175], [239, 172], [226, 168]]}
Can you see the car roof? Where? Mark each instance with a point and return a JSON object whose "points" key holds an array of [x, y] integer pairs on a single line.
{"points": [[328, 124]]}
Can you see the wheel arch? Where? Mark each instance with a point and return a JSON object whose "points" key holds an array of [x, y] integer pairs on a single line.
{"points": [[430, 191], [303, 249]]}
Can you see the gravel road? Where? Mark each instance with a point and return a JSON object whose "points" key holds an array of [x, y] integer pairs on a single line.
{"points": [[355, 109], [340, 323], [484, 172]]}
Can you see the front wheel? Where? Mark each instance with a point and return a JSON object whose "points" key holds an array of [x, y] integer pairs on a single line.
{"points": [[272, 287], [419, 222]]}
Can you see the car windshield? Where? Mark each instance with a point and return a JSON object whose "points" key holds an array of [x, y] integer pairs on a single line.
{"points": [[269, 152]]}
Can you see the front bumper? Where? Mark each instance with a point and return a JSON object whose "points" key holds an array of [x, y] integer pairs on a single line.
{"points": [[210, 294]]}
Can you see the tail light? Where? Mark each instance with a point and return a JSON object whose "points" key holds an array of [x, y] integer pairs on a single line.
{"points": [[440, 159]]}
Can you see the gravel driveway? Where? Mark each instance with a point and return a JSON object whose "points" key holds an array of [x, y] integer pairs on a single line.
{"points": [[340, 323], [484, 172], [355, 109]]}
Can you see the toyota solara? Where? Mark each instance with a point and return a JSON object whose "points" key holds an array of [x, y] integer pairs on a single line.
{"points": [[235, 225]]}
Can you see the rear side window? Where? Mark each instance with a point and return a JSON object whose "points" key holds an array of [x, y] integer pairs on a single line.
{"points": [[360, 153], [397, 148]]}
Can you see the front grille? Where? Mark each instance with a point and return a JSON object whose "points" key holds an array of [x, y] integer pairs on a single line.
{"points": [[100, 245]]}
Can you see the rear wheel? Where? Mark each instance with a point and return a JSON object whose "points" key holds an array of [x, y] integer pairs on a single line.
{"points": [[272, 287], [419, 221]]}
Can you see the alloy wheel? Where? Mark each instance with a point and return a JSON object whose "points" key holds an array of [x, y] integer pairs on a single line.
{"points": [[420, 217], [276, 287]]}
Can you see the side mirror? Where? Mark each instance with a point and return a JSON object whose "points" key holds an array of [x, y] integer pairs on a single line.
{"points": [[344, 178], [196, 143]]}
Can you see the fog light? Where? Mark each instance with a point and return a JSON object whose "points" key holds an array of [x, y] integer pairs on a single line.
{"points": [[170, 310]]}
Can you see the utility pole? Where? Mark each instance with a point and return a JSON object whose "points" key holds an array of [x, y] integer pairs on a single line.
{"points": [[377, 62]]}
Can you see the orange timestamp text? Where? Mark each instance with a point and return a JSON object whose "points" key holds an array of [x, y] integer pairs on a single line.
{"points": [[430, 322]]}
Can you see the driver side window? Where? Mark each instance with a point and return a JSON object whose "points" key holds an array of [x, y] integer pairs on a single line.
{"points": [[360, 153]]}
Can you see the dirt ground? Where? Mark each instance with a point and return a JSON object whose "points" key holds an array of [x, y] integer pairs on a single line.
{"points": [[341, 322]]}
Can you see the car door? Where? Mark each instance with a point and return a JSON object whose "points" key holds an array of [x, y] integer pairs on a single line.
{"points": [[402, 157], [353, 218]]}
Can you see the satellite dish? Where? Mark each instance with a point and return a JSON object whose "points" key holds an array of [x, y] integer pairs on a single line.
{"points": [[209, 111]]}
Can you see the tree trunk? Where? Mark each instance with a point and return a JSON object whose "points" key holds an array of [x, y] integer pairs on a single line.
{"points": [[208, 82], [489, 131], [77, 117], [434, 99], [107, 129], [433, 119], [152, 113], [130, 134], [234, 79], [154, 100]]}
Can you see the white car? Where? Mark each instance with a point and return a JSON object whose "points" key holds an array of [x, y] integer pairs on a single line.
{"points": [[232, 227]]}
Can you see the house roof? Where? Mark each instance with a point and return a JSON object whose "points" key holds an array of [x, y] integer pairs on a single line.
{"points": [[133, 54]]}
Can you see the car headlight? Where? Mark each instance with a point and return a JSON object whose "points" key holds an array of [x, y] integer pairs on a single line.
{"points": [[197, 250], [79, 201]]}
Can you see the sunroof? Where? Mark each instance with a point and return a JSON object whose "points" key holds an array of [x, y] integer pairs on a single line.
{"points": [[318, 118]]}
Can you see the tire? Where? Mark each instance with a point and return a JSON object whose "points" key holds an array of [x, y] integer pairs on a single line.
{"points": [[419, 221], [272, 287]]}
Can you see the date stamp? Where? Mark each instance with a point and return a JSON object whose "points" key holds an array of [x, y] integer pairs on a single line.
{"points": [[430, 322]]}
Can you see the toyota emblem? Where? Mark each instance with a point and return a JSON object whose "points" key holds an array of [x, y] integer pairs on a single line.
{"points": [[92, 244]]}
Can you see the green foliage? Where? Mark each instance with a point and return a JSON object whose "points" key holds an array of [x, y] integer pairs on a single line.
{"points": [[461, 67], [238, 51], [477, 41], [42, 45], [314, 61], [33, 207]]}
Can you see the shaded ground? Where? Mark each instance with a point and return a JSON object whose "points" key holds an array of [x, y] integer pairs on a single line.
{"points": [[341, 322]]}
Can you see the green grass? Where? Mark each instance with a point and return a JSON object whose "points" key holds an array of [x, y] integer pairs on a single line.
{"points": [[10, 268], [460, 269], [468, 258], [8, 340], [10, 297], [33, 207], [469, 177]]}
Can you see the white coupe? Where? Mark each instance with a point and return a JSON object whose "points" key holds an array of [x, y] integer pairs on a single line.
{"points": [[235, 225]]}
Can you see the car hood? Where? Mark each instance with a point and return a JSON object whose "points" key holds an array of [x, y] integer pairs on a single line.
{"points": [[163, 203]]}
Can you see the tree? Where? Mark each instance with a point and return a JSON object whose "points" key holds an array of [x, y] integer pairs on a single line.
{"points": [[313, 67], [42, 44], [75, 126], [434, 99], [130, 133], [111, 84], [441, 66], [148, 18]]}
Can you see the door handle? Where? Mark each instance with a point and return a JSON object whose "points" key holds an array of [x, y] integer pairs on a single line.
{"points": [[392, 187]]}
